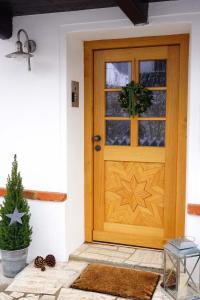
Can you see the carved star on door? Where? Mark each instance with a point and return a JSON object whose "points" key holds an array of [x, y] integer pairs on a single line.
{"points": [[133, 193]]}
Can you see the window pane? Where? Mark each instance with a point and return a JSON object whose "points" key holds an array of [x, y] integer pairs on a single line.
{"points": [[158, 107], [152, 133], [118, 132], [113, 108], [118, 74], [153, 73]]}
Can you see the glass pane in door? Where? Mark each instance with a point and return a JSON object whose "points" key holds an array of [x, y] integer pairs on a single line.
{"points": [[153, 73], [151, 133], [118, 74], [158, 107], [113, 108], [118, 132]]}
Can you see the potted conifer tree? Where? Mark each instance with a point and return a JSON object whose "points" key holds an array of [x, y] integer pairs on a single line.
{"points": [[15, 230]]}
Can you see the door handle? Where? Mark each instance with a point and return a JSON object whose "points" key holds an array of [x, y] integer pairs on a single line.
{"points": [[96, 138]]}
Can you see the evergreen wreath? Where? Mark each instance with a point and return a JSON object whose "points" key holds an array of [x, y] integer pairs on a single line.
{"points": [[135, 98]]}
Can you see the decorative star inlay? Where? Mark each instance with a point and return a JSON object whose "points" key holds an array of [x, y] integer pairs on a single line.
{"points": [[15, 217], [133, 192]]}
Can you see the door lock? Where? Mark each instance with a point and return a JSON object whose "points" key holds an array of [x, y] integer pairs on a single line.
{"points": [[98, 148], [96, 138]]}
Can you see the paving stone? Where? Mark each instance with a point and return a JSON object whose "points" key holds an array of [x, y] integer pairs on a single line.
{"points": [[101, 258], [37, 285], [131, 263], [32, 280], [76, 252], [103, 246], [47, 297], [4, 296], [159, 295], [72, 294], [146, 258], [16, 295], [70, 280], [109, 253], [93, 256], [32, 297], [78, 266], [82, 247], [114, 260], [126, 250]]}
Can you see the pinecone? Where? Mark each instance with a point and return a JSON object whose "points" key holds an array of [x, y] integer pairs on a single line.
{"points": [[171, 282], [39, 262], [43, 268], [50, 260]]}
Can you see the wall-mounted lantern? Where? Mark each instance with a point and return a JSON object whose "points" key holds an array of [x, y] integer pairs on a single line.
{"points": [[24, 50]]}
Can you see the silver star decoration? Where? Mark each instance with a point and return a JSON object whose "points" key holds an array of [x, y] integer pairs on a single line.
{"points": [[15, 217]]}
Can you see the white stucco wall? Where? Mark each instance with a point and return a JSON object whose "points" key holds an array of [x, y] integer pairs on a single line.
{"points": [[38, 123]]}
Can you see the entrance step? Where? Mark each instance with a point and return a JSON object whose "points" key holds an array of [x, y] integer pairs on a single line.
{"points": [[122, 256]]}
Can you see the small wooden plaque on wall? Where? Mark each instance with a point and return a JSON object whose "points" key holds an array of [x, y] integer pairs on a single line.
{"points": [[75, 93]]}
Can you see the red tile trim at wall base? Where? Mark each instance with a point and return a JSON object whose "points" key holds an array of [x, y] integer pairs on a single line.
{"points": [[39, 195], [194, 209]]}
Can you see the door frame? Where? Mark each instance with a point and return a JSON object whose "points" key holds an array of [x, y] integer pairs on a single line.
{"points": [[89, 47]]}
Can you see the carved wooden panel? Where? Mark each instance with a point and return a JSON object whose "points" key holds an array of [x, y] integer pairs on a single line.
{"points": [[134, 193]]}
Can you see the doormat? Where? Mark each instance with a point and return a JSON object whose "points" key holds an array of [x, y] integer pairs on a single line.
{"points": [[120, 282]]}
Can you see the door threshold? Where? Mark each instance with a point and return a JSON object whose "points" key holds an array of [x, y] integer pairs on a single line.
{"points": [[123, 245], [120, 255]]}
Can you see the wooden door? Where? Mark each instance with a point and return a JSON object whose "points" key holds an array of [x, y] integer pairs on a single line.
{"points": [[135, 171]]}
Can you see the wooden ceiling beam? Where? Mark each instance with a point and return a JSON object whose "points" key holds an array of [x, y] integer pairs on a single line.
{"points": [[6, 24], [136, 10]]}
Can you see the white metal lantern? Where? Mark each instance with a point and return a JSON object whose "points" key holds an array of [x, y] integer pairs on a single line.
{"points": [[182, 269]]}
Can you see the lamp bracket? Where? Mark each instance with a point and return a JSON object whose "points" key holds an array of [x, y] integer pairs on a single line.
{"points": [[30, 45]]}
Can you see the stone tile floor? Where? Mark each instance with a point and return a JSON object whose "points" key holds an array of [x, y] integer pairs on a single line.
{"points": [[54, 283]]}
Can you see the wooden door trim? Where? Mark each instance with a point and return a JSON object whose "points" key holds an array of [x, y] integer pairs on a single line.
{"points": [[89, 48]]}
